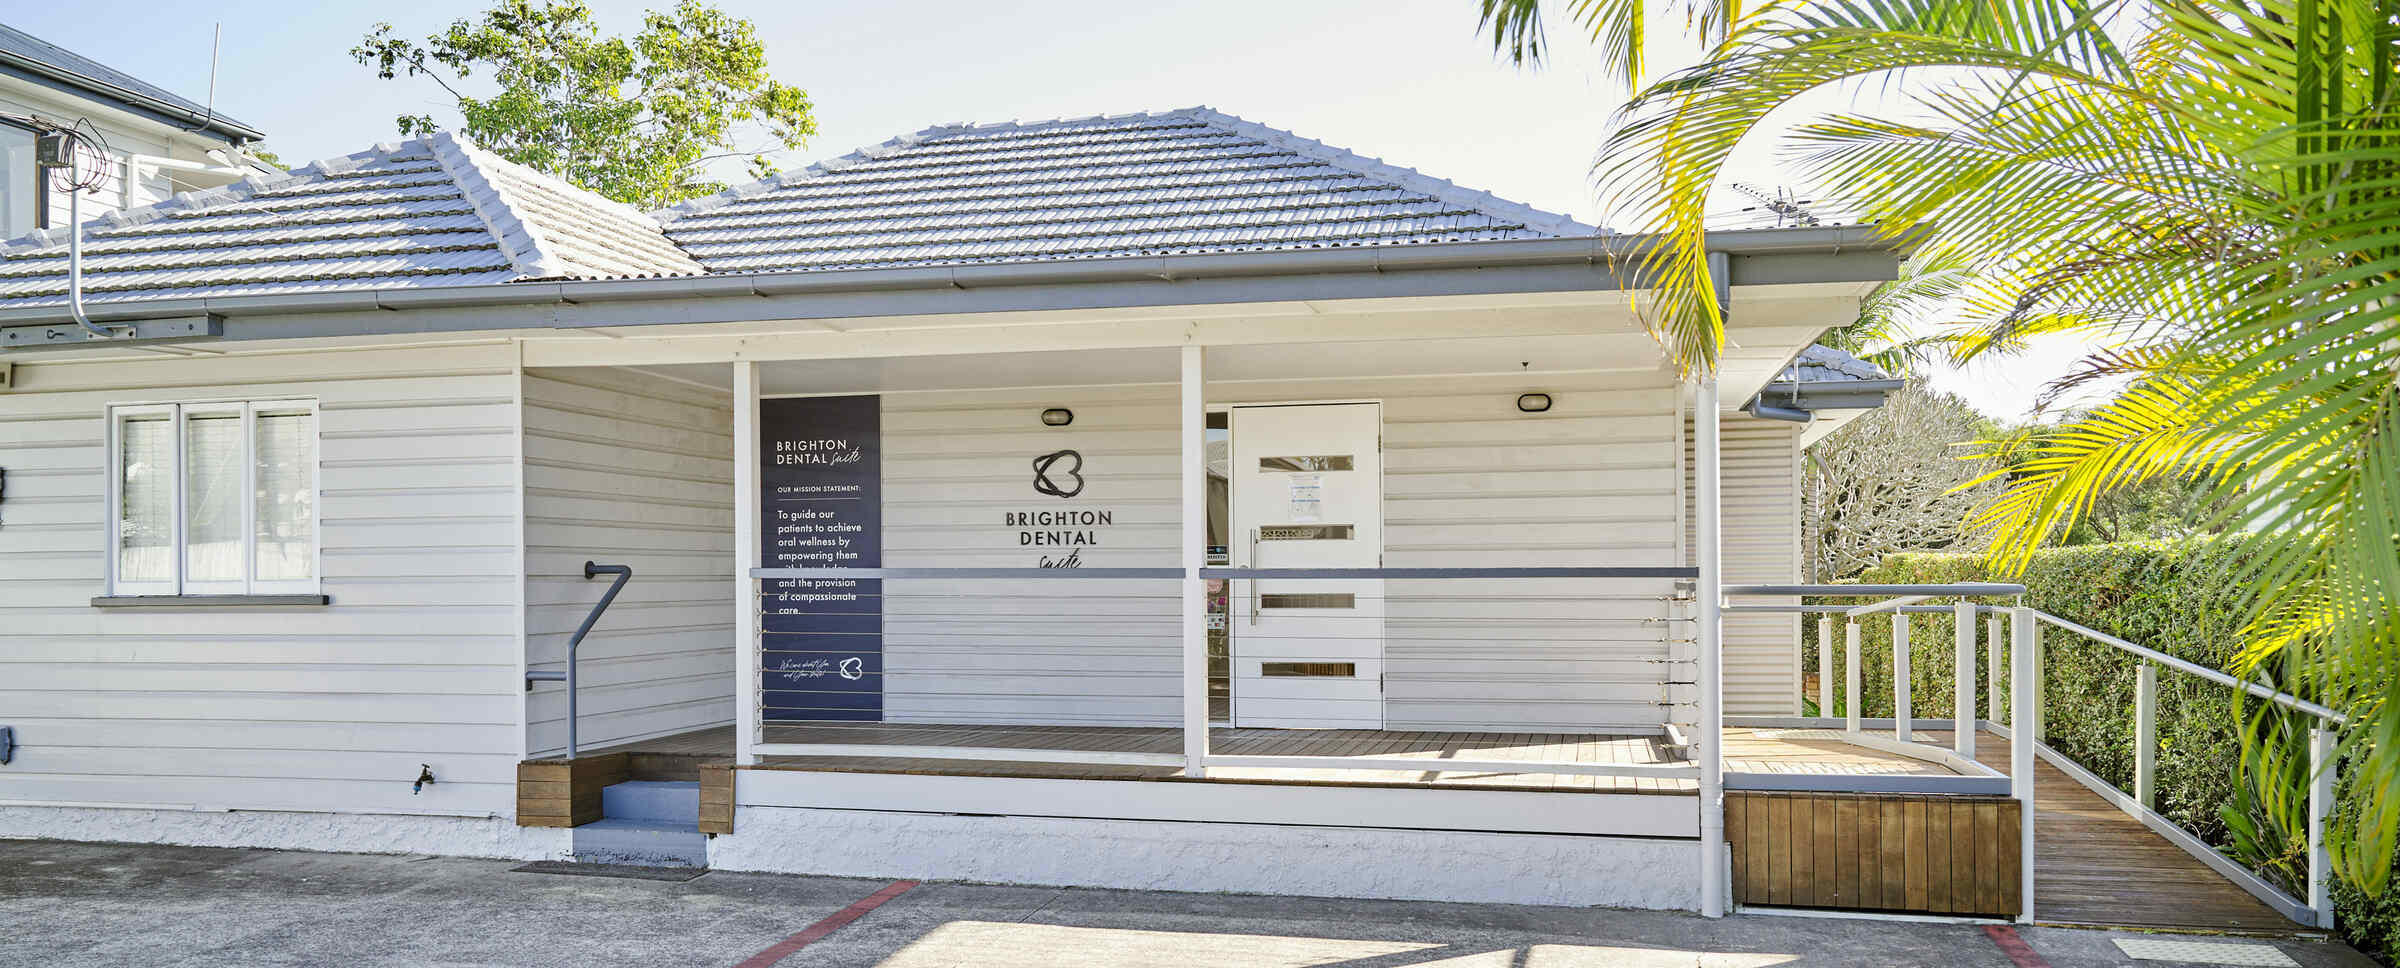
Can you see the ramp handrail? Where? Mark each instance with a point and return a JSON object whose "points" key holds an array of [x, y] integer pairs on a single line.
{"points": [[591, 570]]}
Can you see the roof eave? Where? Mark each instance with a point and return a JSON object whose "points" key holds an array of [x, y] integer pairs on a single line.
{"points": [[1772, 256], [1829, 394], [59, 79]]}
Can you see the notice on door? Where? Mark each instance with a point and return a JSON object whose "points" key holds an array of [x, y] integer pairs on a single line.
{"points": [[1308, 498], [821, 500]]}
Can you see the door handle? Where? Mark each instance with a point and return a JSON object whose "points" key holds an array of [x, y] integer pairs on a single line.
{"points": [[1254, 592]]}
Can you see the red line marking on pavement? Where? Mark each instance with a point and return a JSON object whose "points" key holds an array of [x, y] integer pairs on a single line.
{"points": [[833, 922], [2014, 947]]}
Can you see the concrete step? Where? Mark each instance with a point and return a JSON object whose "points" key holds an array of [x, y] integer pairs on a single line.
{"points": [[665, 800], [643, 843]]}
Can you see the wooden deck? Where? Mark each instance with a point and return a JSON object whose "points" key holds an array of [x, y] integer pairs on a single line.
{"points": [[2093, 864], [1750, 750]]}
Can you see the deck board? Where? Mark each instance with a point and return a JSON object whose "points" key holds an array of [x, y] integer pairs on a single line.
{"points": [[2095, 865], [1749, 750]]}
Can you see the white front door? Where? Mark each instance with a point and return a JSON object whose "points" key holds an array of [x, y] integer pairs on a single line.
{"points": [[1307, 487]]}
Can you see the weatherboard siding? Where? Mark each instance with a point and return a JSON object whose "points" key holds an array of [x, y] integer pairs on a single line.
{"points": [[1469, 482], [956, 464], [622, 467], [413, 664], [1761, 506]]}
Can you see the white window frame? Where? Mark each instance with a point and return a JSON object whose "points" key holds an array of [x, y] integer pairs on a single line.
{"points": [[177, 415]]}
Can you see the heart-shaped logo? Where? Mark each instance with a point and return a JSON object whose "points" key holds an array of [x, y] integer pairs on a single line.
{"points": [[1045, 464]]}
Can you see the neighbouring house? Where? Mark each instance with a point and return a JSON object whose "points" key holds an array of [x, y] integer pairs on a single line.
{"points": [[1153, 500], [158, 143]]}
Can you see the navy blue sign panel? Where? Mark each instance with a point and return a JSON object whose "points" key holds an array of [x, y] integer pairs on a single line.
{"points": [[821, 499]]}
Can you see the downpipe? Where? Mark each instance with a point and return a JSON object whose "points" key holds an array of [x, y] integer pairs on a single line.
{"points": [[75, 257], [1710, 640]]}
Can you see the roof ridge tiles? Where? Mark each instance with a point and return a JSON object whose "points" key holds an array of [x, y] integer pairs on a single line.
{"points": [[502, 193], [517, 239]]}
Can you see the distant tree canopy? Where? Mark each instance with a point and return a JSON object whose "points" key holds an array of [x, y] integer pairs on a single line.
{"points": [[637, 119], [1892, 480]]}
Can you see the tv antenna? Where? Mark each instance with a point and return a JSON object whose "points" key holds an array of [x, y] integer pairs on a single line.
{"points": [[1788, 209]]}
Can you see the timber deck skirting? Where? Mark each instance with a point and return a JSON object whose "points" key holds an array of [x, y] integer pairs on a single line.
{"points": [[565, 793], [1927, 854], [716, 798]]}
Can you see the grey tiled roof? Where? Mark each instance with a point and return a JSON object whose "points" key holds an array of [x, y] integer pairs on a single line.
{"points": [[437, 211], [427, 212], [1186, 181], [1824, 364], [28, 51]]}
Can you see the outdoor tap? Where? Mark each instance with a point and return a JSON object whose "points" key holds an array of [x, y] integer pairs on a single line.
{"points": [[424, 779]]}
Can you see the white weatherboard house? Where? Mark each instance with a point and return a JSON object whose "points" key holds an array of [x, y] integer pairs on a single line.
{"points": [[907, 455]]}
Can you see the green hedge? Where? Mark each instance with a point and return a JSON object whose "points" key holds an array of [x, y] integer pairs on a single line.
{"points": [[2180, 598]]}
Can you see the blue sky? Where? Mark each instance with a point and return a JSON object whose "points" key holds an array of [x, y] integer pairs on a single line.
{"points": [[1405, 80]]}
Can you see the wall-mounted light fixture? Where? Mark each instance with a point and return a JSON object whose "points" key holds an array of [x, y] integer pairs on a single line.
{"points": [[1533, 402], [1057, 417]]}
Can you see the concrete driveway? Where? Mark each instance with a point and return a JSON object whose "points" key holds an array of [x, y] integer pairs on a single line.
{"points": [[67, 904]]}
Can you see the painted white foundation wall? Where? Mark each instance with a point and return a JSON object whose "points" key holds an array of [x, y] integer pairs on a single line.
{"points": [[352, 833], [1761, 501], [1431, 865], [623, 467], [415, 661]]}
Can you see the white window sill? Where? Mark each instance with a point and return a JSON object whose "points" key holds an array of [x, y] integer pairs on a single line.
{"points": [[208, 601]]}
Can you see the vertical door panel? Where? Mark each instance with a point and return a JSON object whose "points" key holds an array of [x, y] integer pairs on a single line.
{"points": [[1308, 493]]}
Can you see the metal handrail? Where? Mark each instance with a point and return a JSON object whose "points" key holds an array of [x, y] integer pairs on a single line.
{"points": [[591, 570], [2283, 699], [1968, 589], [1233, 573]]}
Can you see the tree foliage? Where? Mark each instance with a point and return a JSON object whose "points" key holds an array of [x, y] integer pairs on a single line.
{"points": [[2206, 185], [1896, 479], [637, 119]]}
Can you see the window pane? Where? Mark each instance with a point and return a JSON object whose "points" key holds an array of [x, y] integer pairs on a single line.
{"points": [[286, 501], [146, 496], [212, 498]]}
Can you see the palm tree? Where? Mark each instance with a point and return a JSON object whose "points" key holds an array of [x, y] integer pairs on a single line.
{"points": [[2211, 187], [1620, 27]]}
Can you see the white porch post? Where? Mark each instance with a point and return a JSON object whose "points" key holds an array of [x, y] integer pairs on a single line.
{"points": [[1997, 698], [1708, 521], [2024, 710], [1903, 707], [746, 555], [1194, 433], [1825, 666], [1962, 710], [1851, 696], [2145, 735], [2320, 813]]}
